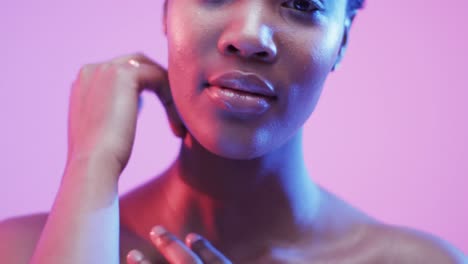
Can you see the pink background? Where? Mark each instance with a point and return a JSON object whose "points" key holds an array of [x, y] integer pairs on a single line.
{"points": [[389, 135]]}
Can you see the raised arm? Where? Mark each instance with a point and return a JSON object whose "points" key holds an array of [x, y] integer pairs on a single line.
{"points": [[83, 225]]}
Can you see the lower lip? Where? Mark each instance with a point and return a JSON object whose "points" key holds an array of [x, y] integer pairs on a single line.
{"points": [[238, 102]]}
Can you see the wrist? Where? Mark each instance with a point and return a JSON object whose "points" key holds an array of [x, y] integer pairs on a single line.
{"points": [[93, 177], [95, 162]]}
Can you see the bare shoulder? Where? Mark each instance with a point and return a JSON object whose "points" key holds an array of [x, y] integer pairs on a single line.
{"points": [[19, 236], [376, 242], [405, 245]]}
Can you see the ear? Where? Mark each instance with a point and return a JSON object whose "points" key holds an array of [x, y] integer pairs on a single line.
{"points": [[344, 41]]}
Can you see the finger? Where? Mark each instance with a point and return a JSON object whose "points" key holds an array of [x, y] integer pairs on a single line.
{"points": [[163, 92], [207, 252], [152, 76], [138, 56], [172, 248], [136, 257], [148, 74]]}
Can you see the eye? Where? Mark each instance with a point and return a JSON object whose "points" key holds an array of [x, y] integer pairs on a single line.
{"points": [[306, 6]]}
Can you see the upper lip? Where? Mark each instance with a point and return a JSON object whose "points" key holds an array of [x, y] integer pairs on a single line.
{"points": [[243, 81]]}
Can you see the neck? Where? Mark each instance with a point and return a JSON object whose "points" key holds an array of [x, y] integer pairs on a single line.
{"points": [[271, 198]]}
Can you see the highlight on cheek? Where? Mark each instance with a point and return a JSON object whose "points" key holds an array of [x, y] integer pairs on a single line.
{"points": [[333, 41]]}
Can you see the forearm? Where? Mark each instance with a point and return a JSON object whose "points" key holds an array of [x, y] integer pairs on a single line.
{"points": [[83, 226]]}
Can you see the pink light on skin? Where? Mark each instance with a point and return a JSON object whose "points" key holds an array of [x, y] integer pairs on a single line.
{"points": [[389, 134]]}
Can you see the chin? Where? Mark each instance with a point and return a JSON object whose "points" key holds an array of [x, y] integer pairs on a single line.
{"points": [[236, 147]]}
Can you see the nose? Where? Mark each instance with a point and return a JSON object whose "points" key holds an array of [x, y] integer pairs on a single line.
{"points": [[248, 35]]}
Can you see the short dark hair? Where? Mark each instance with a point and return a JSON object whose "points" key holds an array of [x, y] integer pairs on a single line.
{"points": [[354, 5]]}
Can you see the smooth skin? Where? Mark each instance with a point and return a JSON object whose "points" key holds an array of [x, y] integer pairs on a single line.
{"points": [[239, 191]]}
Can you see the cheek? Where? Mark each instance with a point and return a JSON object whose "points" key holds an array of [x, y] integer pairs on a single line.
{"points": [[184, 53], [191, 32], [191, 42], [318, 52], [311, 59]]}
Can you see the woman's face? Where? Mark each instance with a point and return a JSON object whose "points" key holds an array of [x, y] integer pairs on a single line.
{"points": [[246, 74]]}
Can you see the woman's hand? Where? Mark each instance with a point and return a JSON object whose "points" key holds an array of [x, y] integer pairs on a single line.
{"points": [[104, 108], [101, 129], [196, 249]]}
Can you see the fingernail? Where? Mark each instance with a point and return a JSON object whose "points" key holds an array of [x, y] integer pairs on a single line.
{"points": [[192, 238], [134, 63], [135, 255], [161, 237], [157, 231]]}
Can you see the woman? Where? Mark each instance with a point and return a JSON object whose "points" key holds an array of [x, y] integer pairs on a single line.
{"points": [[244, 76]]}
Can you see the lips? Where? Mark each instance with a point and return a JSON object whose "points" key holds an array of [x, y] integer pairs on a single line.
{"points": [[241, 93], [243, 82]]}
